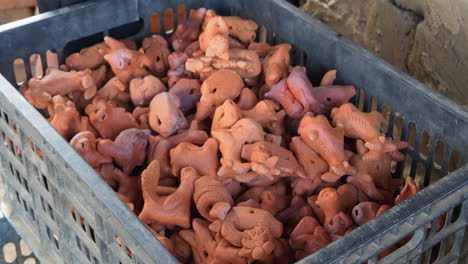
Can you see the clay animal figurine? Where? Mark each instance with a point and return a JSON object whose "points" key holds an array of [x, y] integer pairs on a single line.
{"points": [[128, 186], [251, 229], [170, 210], [159, 147], [271, 160], [165, 116], [366, 211], [336, 203], [188, 91], [157, 50], [273, 199], [177, 64], [127, 63], [247, 99], [112, 89], [189, 31], [359, 125], [204, 159], [245, 62], [329, 143], [231, 141], [128, 148], [209, 192], [66, 119], [57, 82], [143, 90], [108, 119], [214, 40], [312, 163], [85, 143], [276, 64], [308, 237], [226, 115], [220, 86], [409, 189]]}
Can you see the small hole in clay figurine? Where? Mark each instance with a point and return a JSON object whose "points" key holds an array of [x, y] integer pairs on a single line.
{"points": [[192, 91], [104, 117], [158, 58], [214, 90], [205, 253], [251, 211], [356, 212], [158, 120], [328, 99], [311, 161]]}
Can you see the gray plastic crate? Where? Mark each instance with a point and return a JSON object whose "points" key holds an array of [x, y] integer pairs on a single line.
{"points": [[12, 250], [44, 177]]}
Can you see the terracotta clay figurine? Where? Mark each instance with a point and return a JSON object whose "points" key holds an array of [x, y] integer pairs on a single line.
{"points": [[57, 82], [141, 115], [206, 248], [129, 186], [170, 210], [251, 229], [298, 96], [90, 57], [165, 116], [366, 211], [157, 50], [65, 118], [188, 91], [214, 40], [379, 170], [128, 148], [226, 115], [112, 89], [261, 48], [127, 63], [232, 140], [85, 143], [247, 99], [336, 203], [208, 192], [373, 176], [312, 163], [265, 112], [328, 78], [143, 90], [159, 147], [365, 126], [177, 61], [201, 65], [271, 160], [221, 85], [204, 159], [292, 215], [182, 250], [100, 76], [242, 29], [276, 64], [189, 31], [272, 198], [308, 237], [329, 143], [408, 190], [108, 119], [245, 62]]}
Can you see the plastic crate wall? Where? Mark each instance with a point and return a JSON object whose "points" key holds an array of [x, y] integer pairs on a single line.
{"points": [[69, 215]]}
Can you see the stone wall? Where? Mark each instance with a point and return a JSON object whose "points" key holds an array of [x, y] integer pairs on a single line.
{"points": [[426, 38]]}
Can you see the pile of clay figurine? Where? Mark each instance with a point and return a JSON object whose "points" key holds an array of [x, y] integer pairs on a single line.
{"points": [[223, 149]]}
